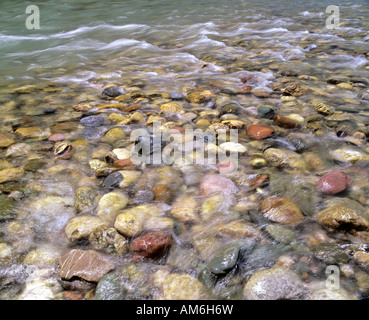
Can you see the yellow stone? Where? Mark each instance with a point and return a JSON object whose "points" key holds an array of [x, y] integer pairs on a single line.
{"points": [[172, 107]]}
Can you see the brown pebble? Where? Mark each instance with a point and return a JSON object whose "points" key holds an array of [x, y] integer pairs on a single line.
{"points": [[56, 137], [122, 163], [259, 132], [285, 122], [162, 192]]}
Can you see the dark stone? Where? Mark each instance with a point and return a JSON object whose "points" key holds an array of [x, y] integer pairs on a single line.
{"points": [[113, 180], [330, 253], [93, 121], [113, 92], [225, 259]]}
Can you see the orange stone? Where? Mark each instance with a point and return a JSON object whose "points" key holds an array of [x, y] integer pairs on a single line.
{"points": [[259, 132]]}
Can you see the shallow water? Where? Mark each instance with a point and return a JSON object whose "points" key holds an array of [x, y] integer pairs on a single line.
{"points": [[152, 49]]}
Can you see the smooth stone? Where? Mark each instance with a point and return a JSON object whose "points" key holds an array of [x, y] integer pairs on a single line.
{"points": [[32, 132], [239, 229], [182, 287], [284, 158], [175, 95], [18, 150], [195, 97], [6, 140], [85, 264], [130, 223], [225, 259], [232, 147], [43, 256], [281, 210], [152, 245], [163, 192], [230, 107], [172, 107], [362, 257], [185, 210], [266, 111], [333, 183], [80, 227], [56, 137], [113, 91], [274, 284], [114, 135], [110, 204], [143, 195], [280, 234], [122, 153], [342, 218], [347, 155], [110, 287], [11, 174], [93, 121], [214, 183], [259, 132], [129, 177], [82, 106], [113, 180], [96, 164], [159, 224], [285, 122]]}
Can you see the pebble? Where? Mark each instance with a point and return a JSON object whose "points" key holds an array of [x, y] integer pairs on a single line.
{"points": [[129, 223], [285, 122], [93, 121], [185, 210], [333, 183], [182, 287], [11, 174], [80, 227], [152, 245], [281, 210], [277, 283], [224, 260], [215, 183], [110, 204], [113, 91], [259, 132], [85, 264], [341, 217]]}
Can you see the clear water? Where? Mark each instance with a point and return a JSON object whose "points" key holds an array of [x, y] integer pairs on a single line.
{"points": [[162, 46]]}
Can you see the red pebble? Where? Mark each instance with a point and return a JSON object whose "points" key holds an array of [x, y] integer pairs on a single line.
{"points": [[333, 183]]}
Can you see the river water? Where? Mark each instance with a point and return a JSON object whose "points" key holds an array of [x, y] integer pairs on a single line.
{"points": [[240, 53]]}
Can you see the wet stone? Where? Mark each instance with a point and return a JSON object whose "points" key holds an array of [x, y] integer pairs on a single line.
{"points": [[85, 264], [152, 245], [259, 132], [113, 91], [274, 284], [93, 121], [113, 180], [224, 260], [108, 239], [333, 183]]}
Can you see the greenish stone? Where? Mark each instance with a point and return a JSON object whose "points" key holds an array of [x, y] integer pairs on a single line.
{"points": [[207, 278], [34, 165], [7, 208], [109, 287], [225, 259], [280, 234], [266, 112], [330, 253]]}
